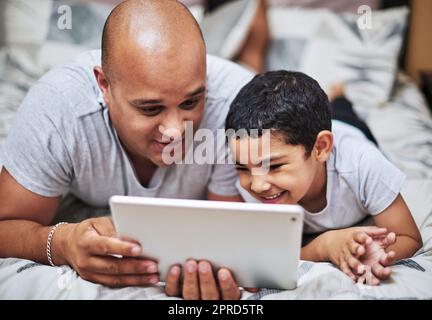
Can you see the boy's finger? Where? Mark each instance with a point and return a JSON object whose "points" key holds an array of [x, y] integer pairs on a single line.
{"points": [[375, 231], [353, 263], [387, 259], [369, 277], [362, 238], [345, 269], [381, 272], [173, 285], [389, 239], [372, 280], [361, 280], [356, 249]]}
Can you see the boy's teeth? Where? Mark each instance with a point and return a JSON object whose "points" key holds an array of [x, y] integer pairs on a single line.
{"points": [[273, 196]]}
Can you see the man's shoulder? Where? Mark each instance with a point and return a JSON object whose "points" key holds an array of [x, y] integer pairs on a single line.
{"points": [[224, 77], [72, 86], [224, 81]]}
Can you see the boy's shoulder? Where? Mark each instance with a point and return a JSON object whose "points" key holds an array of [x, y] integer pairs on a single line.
{"points": [[352, 150], [358, 164]]}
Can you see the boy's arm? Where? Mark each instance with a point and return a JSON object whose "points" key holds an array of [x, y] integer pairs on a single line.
{"points": [[397, 218], [316, 250]]}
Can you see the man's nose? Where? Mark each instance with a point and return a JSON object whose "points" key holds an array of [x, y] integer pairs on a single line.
{"points": [[259, 184], [172, 128]]}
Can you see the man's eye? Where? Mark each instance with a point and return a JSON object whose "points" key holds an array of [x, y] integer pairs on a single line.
{"points": [[241, 168], [152, 111], [189, 104]]}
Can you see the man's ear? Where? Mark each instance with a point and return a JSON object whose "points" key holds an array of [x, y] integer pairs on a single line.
{"points": [[323, 145], [103, 83]]}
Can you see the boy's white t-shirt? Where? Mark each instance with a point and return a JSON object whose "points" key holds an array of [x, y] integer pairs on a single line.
{"points": [[361, 181]]}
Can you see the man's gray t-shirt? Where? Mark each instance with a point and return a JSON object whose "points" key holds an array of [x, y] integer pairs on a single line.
{"points": [[62, 139]]}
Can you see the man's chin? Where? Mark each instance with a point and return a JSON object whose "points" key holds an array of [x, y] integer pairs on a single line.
{"points": [[167, 161]]}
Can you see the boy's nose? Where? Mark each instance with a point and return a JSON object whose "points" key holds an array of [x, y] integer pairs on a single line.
{"points": [[259, 185]]}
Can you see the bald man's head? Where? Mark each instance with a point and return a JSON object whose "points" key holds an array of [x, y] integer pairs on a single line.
{"points": [[151, 26]]}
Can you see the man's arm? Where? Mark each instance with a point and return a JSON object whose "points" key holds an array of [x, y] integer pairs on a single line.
{"points": [[87, 246], [24, 217]]}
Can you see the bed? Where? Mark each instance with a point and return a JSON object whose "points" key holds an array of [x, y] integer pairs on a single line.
{"points": [[390, 103]]}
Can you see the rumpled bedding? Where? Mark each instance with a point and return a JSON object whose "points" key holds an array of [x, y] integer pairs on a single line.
{"points": [[403, 128]]}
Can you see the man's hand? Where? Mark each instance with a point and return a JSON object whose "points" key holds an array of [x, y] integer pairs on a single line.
{"points": [[355, 252], [89, 247], [199, 283]]}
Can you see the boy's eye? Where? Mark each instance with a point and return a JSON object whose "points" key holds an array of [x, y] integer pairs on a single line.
{"points": [[189, 104], [152, 111], [241, 168], [275, 166]]}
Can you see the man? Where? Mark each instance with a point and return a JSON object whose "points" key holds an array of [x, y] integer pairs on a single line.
{"points": [[98, 130]]}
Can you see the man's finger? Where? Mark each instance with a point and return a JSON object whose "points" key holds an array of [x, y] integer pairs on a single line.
{"points": [[122, 266], [208, 288], [173, 285], [101, 245], [122, 281], [190, 289], [228, 287], [104, 226]]}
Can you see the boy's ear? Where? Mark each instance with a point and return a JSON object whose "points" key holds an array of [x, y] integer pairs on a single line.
{"points": [[323, 145]]}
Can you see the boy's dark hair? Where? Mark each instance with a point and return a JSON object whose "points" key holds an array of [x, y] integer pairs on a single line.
{"points": [[290, 102]]}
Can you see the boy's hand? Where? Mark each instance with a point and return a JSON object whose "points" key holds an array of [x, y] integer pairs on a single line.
{"points": [[346, 247], [198, 282], [376, 260]]}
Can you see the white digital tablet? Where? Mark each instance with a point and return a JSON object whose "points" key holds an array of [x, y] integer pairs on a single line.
{"points": [[259, 243]]}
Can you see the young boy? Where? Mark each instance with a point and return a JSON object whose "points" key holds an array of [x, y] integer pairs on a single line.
{"points": [[329, 168]]}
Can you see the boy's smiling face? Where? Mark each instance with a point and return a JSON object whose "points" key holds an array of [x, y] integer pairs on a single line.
{"points": [[282, 173]]}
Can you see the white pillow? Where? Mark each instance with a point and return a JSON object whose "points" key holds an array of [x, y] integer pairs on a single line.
{"points": [[226, 29], [331, 48]]}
